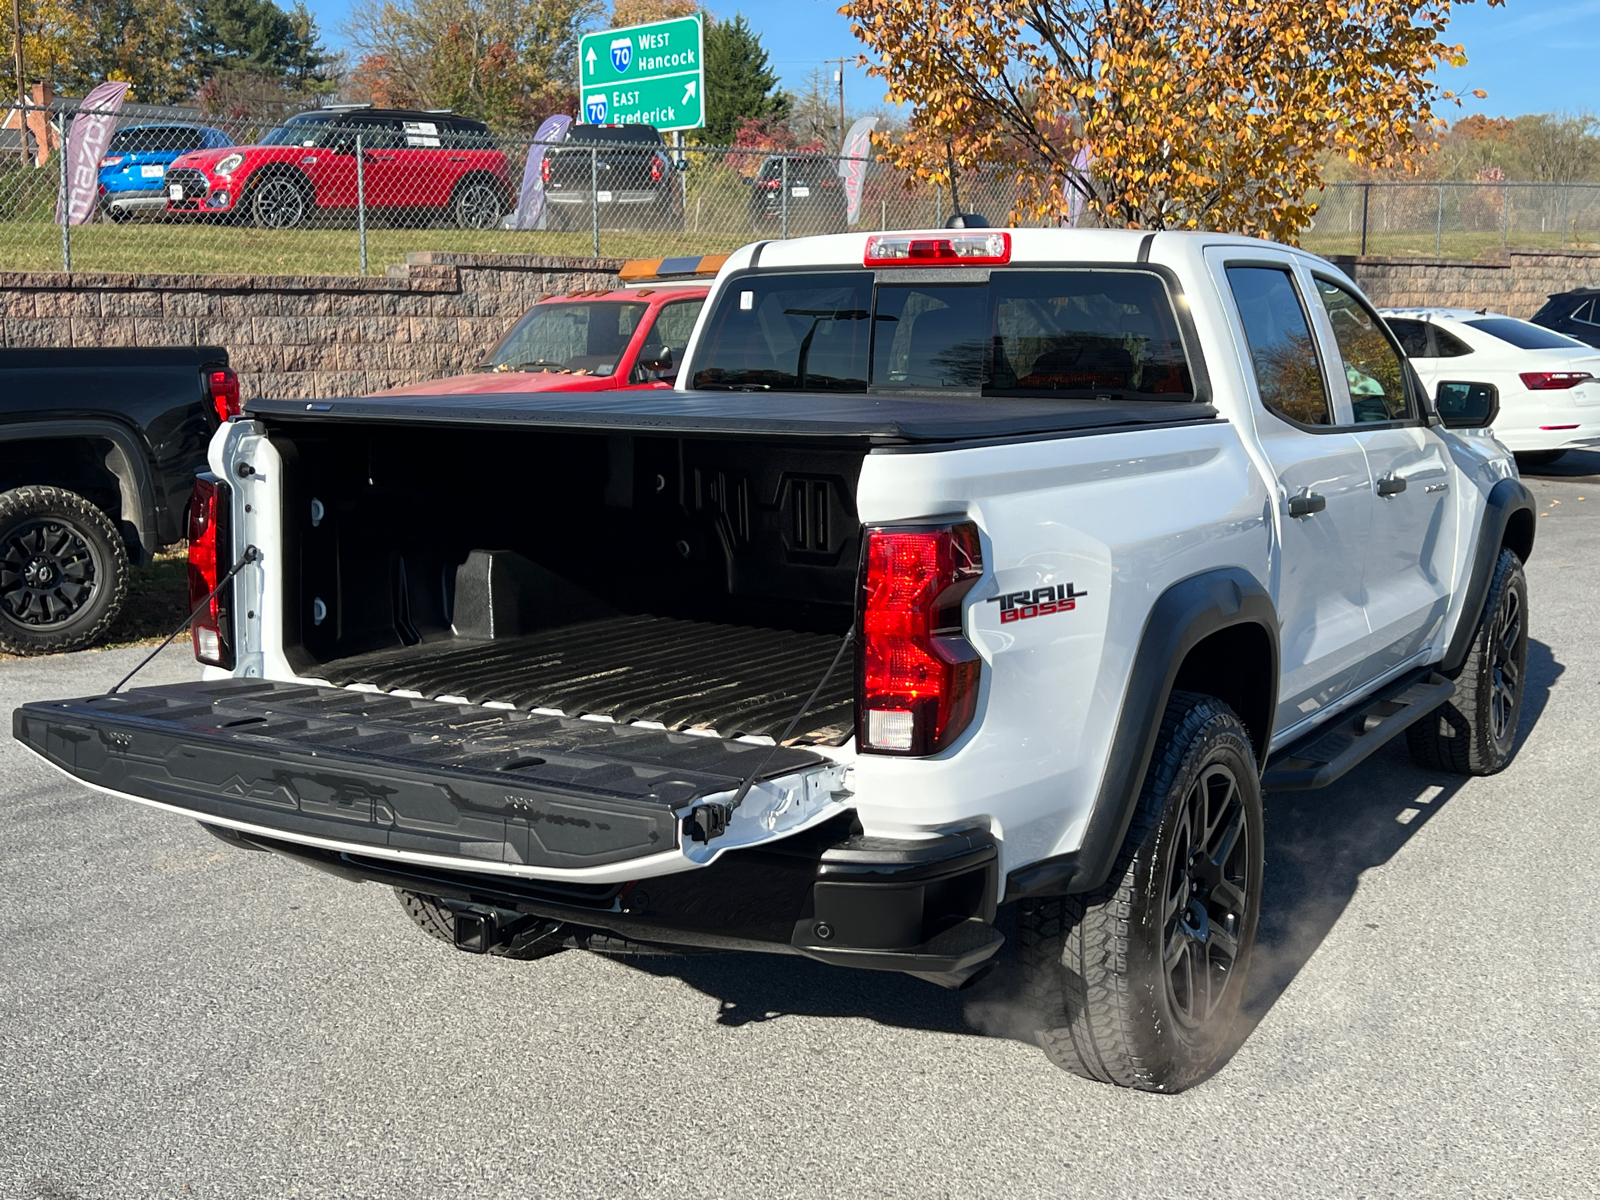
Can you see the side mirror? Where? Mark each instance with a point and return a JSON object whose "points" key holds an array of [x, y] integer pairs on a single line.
{"points": [[1468, 405]]}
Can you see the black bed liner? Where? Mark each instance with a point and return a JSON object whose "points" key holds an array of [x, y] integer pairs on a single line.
{"points": [[479, 784], [878, 419], [730, 679]]}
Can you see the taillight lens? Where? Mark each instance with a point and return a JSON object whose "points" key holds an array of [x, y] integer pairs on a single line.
{"points": [[917, 682], [111, 160], [655, 170], [223, 385], [544, 168], [210, 554], [1553, 381]]}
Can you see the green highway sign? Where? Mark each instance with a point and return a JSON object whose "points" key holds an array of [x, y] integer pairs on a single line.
{"points": [[645, 75]]}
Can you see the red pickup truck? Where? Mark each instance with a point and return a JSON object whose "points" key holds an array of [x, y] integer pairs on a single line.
{"points": [[596, 341]]}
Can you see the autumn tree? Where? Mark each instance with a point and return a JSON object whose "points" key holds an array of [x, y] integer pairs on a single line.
{"points": [[509, 62], [641, 12], [1160, 114]]}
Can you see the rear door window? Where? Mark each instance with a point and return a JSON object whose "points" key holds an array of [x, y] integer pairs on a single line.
{"points": [[1288, 372], [1412, 336]]}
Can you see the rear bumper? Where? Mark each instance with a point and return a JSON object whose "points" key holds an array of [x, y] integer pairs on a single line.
{"points": [[439, 786]]}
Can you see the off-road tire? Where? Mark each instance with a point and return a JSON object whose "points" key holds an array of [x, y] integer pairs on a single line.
{"points": [[1095, 967], [1532, 460], [1475, 732], [49, 529], [433, 916]]}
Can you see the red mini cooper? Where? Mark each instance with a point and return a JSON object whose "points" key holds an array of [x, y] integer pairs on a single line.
{"points": [[415, 167]]}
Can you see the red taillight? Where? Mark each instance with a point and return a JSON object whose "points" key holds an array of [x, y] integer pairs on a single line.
{"points": [[544, 168], [917, 686], [223, 385], [918, 250], [210, 548], [655, 170], [1553, 381]]}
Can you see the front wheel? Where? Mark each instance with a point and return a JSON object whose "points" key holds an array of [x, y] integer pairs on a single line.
{"points": [[63, 571], [1474, 732], [278, 204], [1140, 983]]}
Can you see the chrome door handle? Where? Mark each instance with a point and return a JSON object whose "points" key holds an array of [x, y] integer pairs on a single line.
{"points": [[1391, 485], [1305, 504]]}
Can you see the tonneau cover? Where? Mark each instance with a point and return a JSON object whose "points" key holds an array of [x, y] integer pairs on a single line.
{"points": [[349, 768], [852, 416]]}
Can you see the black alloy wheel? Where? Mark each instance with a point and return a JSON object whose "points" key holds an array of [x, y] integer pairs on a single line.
{"points": [[63, 571], [278, 204], [1206, 905], [1140, 982], [1475, 731], [477, 205]]}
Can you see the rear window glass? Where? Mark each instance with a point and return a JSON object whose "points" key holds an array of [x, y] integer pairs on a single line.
{"points": [[157, 137], [1072, 333], [1524, 336], [643, 134]]}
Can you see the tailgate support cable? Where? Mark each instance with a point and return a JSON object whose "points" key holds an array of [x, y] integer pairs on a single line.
{"points": [[706, 821], [249, 556]]}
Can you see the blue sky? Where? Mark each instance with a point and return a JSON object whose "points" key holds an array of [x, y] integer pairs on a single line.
{"points": [[1530, 56]]}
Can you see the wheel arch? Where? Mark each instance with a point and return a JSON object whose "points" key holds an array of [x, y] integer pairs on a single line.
{"points": [[502, 187], [1508, 524], [1215, 632], [113, 449]]}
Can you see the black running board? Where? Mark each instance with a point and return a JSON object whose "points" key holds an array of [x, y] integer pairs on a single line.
{"points": [[1331, 750]]}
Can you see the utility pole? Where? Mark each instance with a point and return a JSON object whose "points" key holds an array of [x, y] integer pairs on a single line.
{"points": [[22, 93], [838, 77]]}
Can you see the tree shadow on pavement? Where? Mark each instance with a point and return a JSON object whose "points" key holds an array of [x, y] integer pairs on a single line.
{"points": [[1317, 847]]}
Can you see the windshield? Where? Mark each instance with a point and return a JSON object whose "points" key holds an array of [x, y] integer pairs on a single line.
{"points": [[1081, 333], [300, 132], [573, 338], [1524, 336]]}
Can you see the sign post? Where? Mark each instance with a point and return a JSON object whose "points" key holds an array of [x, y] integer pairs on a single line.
{"points": [[645, 75]]}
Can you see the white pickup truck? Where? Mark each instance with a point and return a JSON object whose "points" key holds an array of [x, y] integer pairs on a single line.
{"points": [[966, 568]]}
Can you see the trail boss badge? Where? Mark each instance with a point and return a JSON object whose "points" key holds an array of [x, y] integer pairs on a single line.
{"points": [[1040, 602]]}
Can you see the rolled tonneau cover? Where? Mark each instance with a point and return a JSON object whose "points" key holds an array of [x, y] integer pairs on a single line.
{"points": [[486, 786], [878, 419]]}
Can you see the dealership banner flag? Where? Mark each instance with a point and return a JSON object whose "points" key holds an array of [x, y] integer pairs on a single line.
{"points": [[86, 143], [853, 164], [530, 202]]}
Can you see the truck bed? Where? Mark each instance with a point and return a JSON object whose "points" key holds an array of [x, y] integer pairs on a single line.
{"points": [[876, 419], [685, 675]]}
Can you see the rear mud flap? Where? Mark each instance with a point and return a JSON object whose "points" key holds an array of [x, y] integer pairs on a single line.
{"points": [[504, 790]]}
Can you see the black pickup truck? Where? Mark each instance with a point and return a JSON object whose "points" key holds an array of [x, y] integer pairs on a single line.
{"points": [[616, 176], [98, 454]]}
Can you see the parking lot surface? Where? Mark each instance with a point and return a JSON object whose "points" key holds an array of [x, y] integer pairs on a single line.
{"points": [[179, 1018]]}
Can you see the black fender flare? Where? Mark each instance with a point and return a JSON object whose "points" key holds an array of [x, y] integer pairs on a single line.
{"points": [[1506, 500], [1186, 613], [126, 459]]}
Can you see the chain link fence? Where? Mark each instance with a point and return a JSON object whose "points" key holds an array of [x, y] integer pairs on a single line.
{"points": [[349, 193], [347, 196]]}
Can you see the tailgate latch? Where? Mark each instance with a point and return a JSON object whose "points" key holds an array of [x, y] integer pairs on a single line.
{"points": [[707, 821]]}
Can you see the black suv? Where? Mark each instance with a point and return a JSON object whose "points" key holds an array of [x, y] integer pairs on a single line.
{"points": [[618, 174], [815, 200], [1575, 313]]}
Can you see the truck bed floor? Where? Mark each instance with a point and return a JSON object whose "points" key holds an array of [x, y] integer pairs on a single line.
{"points": [[731, 679]]}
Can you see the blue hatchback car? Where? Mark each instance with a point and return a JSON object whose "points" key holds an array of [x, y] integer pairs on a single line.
{"points": [[134, 170]]}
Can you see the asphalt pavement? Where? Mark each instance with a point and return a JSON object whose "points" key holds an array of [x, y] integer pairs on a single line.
{"points": [[182, 1019]]}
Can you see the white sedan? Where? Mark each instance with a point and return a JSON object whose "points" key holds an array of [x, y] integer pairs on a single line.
{"points": [[1549, 383]]}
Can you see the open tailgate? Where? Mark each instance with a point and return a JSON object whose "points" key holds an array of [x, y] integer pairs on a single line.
{"points": [[537, 794]]}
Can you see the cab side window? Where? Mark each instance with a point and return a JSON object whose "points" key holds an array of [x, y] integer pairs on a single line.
{"points": [[1372, 364], [1287, 370], [662, 351]]}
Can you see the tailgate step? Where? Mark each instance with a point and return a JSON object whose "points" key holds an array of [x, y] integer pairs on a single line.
{"points": [[355, 768], [1331, 750]]}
